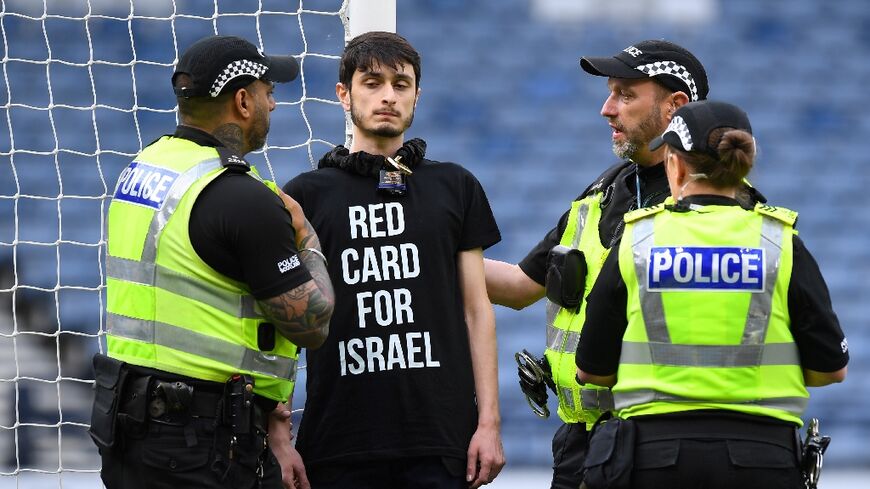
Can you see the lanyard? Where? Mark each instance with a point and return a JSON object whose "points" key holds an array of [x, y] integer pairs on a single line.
{"points": [[637, 185]]}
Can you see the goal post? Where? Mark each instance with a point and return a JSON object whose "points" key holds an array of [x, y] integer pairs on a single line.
{"points": [[85, 86], [363, 16]]}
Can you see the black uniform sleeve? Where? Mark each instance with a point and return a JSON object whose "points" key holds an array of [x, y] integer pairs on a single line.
{"points": [[240, 228], [601, 337], [534, 265], [479, 229], [814, 324]]}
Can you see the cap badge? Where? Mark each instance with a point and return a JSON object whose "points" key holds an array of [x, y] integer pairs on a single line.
{"points": [[633, 51]]}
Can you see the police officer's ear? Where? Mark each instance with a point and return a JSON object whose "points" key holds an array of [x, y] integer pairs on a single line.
{"points": [[675, 168], [243, 103], [677, 100]]}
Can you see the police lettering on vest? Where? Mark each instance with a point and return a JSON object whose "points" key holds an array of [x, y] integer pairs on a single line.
{"points": [[388, 263], [146, 185], [706, 268]]}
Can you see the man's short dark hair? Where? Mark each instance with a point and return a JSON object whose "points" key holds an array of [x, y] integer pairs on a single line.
{"points": [[376, 47], [199, 109]]}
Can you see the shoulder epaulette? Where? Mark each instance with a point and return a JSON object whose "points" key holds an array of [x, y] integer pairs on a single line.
{"points": [[644, 212], [230, 159], [753, 194], [787, 216]]}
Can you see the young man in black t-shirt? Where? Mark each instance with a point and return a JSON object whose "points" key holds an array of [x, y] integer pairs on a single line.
{"points": [[404, 393]]}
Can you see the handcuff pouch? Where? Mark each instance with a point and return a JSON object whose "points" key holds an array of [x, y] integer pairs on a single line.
{"points": [[566, 276]]}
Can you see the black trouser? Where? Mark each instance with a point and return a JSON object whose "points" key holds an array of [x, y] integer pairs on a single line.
{"points": [[570, 444], [402, 473], [158, 456], [712, 452], [170, 434]]}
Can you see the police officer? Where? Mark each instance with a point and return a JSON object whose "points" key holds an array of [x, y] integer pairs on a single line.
{"points": [[646, 82], [709, 321], [212, 287]]}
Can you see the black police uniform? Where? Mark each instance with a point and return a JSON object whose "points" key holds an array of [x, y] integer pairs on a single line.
{"points": [[715, 448], [620, 184], [195, 443]]}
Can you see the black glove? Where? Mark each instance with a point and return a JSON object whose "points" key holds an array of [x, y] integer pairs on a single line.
{"points": [[534, 379]]}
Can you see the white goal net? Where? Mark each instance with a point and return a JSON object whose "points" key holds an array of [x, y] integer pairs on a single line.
{"points": [[85, 86]]}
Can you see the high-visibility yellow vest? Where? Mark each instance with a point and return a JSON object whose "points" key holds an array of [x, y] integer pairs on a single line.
{"points": [[576, 403], [166, 308], [708, 320]]}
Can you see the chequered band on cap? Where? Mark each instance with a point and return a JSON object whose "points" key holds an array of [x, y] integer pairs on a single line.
{"points": [[242, 67], [671, 68], [678, 126]]}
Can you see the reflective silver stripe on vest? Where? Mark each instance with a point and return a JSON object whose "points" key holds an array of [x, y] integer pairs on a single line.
{"points": [[601, 399], [236, 356], [582, 214], [556, 336], [568, 398], [562, 341], [794, 405], [552, 310], [639, 353], [760, 305], [236, 305], [650, 304], [170, 203]]}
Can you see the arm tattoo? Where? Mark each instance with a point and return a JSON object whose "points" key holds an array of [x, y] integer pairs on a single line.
{"points": [[302, 314], [320, 275], [310, 240]]}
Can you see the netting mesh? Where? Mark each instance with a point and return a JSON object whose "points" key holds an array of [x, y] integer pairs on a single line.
{"points": [[85, 86]]}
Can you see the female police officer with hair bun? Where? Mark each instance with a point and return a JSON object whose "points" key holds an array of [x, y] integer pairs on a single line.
{"points": [[709, 321]]}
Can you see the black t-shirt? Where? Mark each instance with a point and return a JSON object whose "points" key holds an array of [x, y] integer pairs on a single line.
{"points": [[394, 378], [621, 196], [240, 228], [814, 325]]}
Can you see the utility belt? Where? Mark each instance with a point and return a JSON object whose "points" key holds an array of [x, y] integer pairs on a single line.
{"points": [[612, 441], [175, 402], [716, 425], [126, 396]]}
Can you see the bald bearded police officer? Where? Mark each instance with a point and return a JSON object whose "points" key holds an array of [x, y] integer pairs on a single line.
{"points": [[211, 286], [709, 321]]}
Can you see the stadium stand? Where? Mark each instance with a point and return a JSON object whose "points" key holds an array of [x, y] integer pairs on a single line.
{"points": [[503, 95]]}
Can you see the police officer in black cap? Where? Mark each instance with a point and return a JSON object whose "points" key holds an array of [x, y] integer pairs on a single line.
{"points": [[215, 279], [646, 83], [709, 321]]}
